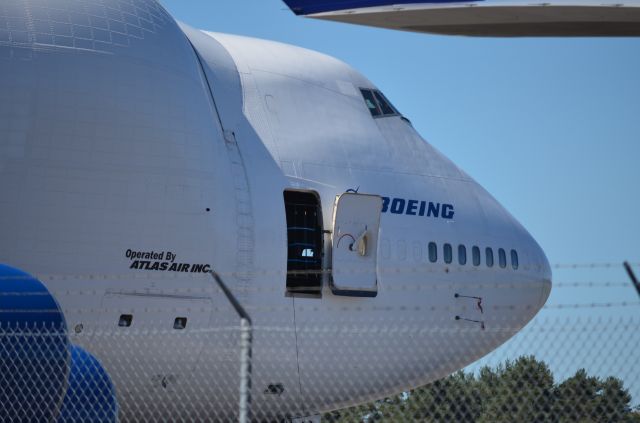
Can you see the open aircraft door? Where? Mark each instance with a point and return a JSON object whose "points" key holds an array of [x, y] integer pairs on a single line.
{"points": [[356, 223]]}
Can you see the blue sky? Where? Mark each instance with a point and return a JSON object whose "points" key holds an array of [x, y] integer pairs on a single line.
{"points": [[549, 126]]}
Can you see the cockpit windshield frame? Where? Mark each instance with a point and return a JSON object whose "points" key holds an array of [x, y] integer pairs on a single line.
{"points": [[378, 104]]}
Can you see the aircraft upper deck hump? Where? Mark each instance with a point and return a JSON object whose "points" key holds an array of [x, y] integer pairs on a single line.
{"points": [[492, 18]]}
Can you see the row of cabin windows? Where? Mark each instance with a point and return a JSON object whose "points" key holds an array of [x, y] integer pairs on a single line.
{"points": [[447, 252]]}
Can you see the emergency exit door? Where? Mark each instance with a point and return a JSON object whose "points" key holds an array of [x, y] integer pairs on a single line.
{"points": [[356, 223]]}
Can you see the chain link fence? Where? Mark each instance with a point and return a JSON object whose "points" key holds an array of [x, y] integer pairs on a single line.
{"points": [[556, 370], [575, 362]]}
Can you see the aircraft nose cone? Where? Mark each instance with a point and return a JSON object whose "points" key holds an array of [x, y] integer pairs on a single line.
{"points": [[546, 276], [540, 267], [538, 275], [529, 286]]}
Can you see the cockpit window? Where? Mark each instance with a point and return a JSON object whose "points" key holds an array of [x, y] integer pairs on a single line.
{"points": [[377, 103], [371, 103], [385, 106]]}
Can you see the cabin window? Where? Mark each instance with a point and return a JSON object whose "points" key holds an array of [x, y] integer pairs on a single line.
{"points": [[448, 253], [433, 252], [514, 259], [462, 255], [370, 101], [502, 258], [304, 242], [489, 256], [475, 253]]}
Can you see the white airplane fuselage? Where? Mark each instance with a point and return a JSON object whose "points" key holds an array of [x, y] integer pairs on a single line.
{"points": [[137, 153]]}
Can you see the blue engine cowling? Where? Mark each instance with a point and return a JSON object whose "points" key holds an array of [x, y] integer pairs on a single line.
{"points": [[44, 377], [90, 395], [34, 349]]}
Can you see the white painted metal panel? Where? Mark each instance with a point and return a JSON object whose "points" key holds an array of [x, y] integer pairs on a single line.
{"points": [[356, 224]]}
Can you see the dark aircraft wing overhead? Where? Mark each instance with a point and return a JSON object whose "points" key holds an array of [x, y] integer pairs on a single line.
{"points": [[499, 18]]}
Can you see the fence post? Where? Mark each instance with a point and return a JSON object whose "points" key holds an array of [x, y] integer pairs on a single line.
{"points": [[632, 276], [245, 370], [246, 335]]}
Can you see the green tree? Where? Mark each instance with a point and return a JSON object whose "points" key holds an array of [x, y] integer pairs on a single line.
{"points": [[519, 391], [590, 399], [516, 391], [454, 398]]}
